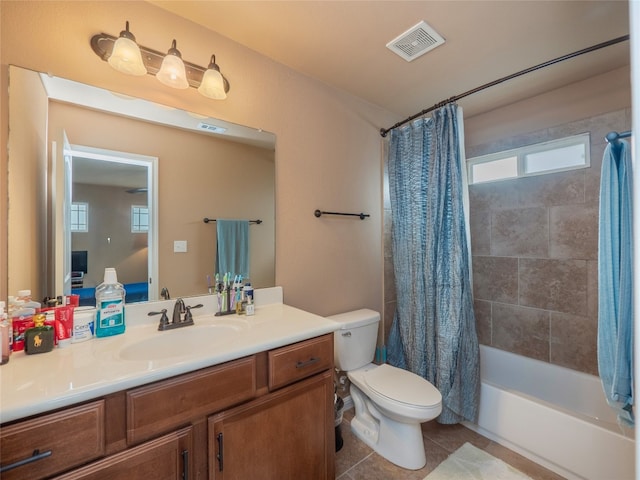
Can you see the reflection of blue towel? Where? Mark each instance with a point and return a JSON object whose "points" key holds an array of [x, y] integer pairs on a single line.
{"points": [[615, 281], [232, 254]]}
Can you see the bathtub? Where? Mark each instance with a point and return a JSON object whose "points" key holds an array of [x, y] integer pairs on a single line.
{"points": [[554, 416]]}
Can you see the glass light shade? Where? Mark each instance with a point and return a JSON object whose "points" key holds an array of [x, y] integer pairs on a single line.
{"points": [[172, 72], [212, 85], [126, 57]]}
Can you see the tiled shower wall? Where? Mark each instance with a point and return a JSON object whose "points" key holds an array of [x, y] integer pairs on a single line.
{"points": [[534, 244]]}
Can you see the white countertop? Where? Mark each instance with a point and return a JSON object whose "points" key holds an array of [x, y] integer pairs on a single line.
{"points": [[31, 384]]}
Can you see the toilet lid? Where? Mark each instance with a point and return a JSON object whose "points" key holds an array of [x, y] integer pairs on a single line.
{"points": [[402, 386]]}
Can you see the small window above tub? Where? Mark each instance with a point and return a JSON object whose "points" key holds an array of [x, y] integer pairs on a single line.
{"points": [[568, 153]]}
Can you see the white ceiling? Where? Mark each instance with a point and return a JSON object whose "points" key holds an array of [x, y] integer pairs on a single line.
{"points": [[343, 44]]}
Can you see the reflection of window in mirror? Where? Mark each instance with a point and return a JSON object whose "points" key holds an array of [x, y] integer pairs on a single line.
{"points": [[139, 219], [79, 217]]}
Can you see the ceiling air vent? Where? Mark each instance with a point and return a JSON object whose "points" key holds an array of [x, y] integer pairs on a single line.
{"points": [[416, 41]]}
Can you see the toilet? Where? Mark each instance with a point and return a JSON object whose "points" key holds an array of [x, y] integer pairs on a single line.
{"points": [[390, 403]]}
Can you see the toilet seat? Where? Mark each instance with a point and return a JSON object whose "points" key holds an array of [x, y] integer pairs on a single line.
{"points": [[402, 386], [392, 392]]}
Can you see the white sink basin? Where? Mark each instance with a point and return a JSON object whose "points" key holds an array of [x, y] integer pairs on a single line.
{"points": [[181, 342]]}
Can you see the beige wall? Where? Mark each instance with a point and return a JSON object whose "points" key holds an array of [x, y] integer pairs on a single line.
{"points": [[198, 176], [328, 152], [593, 96], [28, 188]]}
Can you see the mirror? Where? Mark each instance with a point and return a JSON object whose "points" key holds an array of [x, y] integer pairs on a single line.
{"points": [[188, 168]]}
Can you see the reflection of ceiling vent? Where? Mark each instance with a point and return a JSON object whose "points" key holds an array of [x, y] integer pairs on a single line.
{"points": [[416, 41], [211, 128]]}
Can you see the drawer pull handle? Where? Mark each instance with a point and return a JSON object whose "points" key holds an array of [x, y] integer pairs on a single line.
{"points": [[311, 361], [185, 465], [33, 458], [220, 455]]}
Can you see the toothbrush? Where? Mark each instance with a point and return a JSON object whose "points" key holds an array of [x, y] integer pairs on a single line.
{"points": [[235, 289], [219, 292]]}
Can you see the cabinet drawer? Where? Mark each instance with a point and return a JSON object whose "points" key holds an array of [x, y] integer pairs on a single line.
{"points": [[163, 406], [166, 458], [63, 440], [300, 360]]}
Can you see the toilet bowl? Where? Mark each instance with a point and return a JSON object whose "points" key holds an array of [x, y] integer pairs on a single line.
{"points": [[390, 403]]}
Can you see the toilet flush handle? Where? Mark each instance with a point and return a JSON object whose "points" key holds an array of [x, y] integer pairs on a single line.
{"points": [[346, 334]]}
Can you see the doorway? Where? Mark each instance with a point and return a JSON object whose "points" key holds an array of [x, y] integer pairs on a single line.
{"points": [[111, 221]]}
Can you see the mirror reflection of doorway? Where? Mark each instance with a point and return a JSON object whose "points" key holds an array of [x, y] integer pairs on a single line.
{"points": [[113, 222]]}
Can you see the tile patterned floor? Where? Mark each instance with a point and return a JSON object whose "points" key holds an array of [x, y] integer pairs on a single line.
{"points": [[356, 461]]}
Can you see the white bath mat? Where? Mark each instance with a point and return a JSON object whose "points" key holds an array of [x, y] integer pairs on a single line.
{"points": [[471, 463]]}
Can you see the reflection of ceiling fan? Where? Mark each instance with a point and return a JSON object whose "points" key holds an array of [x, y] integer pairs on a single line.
{"points": [[138, 190]]}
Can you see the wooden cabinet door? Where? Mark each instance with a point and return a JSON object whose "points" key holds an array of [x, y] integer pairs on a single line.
{"points": [[165, 458], [288, 434]]}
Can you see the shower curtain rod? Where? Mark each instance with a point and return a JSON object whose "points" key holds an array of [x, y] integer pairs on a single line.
{"points": [[455, 98]]}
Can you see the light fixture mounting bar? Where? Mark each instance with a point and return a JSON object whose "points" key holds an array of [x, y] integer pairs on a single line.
{"points": [[102, 45]]}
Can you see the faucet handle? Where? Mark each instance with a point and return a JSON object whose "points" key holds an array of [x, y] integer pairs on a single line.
{"points": [[164, 320], [187, 316]]}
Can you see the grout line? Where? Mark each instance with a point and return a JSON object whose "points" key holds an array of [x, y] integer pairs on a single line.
{"points": [[449, 452], [356, 464]]}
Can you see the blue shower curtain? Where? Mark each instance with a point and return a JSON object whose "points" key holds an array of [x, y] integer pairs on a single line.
{"points": [[615, 281], [433, 333]]}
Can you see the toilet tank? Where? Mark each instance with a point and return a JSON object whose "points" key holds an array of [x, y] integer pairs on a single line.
{"points": [[355, 341]]}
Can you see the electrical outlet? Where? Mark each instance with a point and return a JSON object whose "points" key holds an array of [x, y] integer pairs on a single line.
{"points": [[179, 246]]}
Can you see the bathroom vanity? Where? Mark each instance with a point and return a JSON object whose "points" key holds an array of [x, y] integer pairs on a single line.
{"points": [[257, 404]]}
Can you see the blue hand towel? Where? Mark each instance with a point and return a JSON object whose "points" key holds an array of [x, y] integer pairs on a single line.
{"points": [[615, 281], [232, 252]]}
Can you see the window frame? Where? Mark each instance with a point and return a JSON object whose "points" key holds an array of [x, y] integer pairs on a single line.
{"points": [[74, 226], [133, 214], [521, 152]]}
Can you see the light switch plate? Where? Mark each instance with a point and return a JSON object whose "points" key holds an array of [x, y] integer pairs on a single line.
{"points": [[179, 246]]}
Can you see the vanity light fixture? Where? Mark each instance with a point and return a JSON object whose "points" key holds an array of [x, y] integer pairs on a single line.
{"points": [[172, 72], [169, 68], [212, 85], [126, 56]]}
